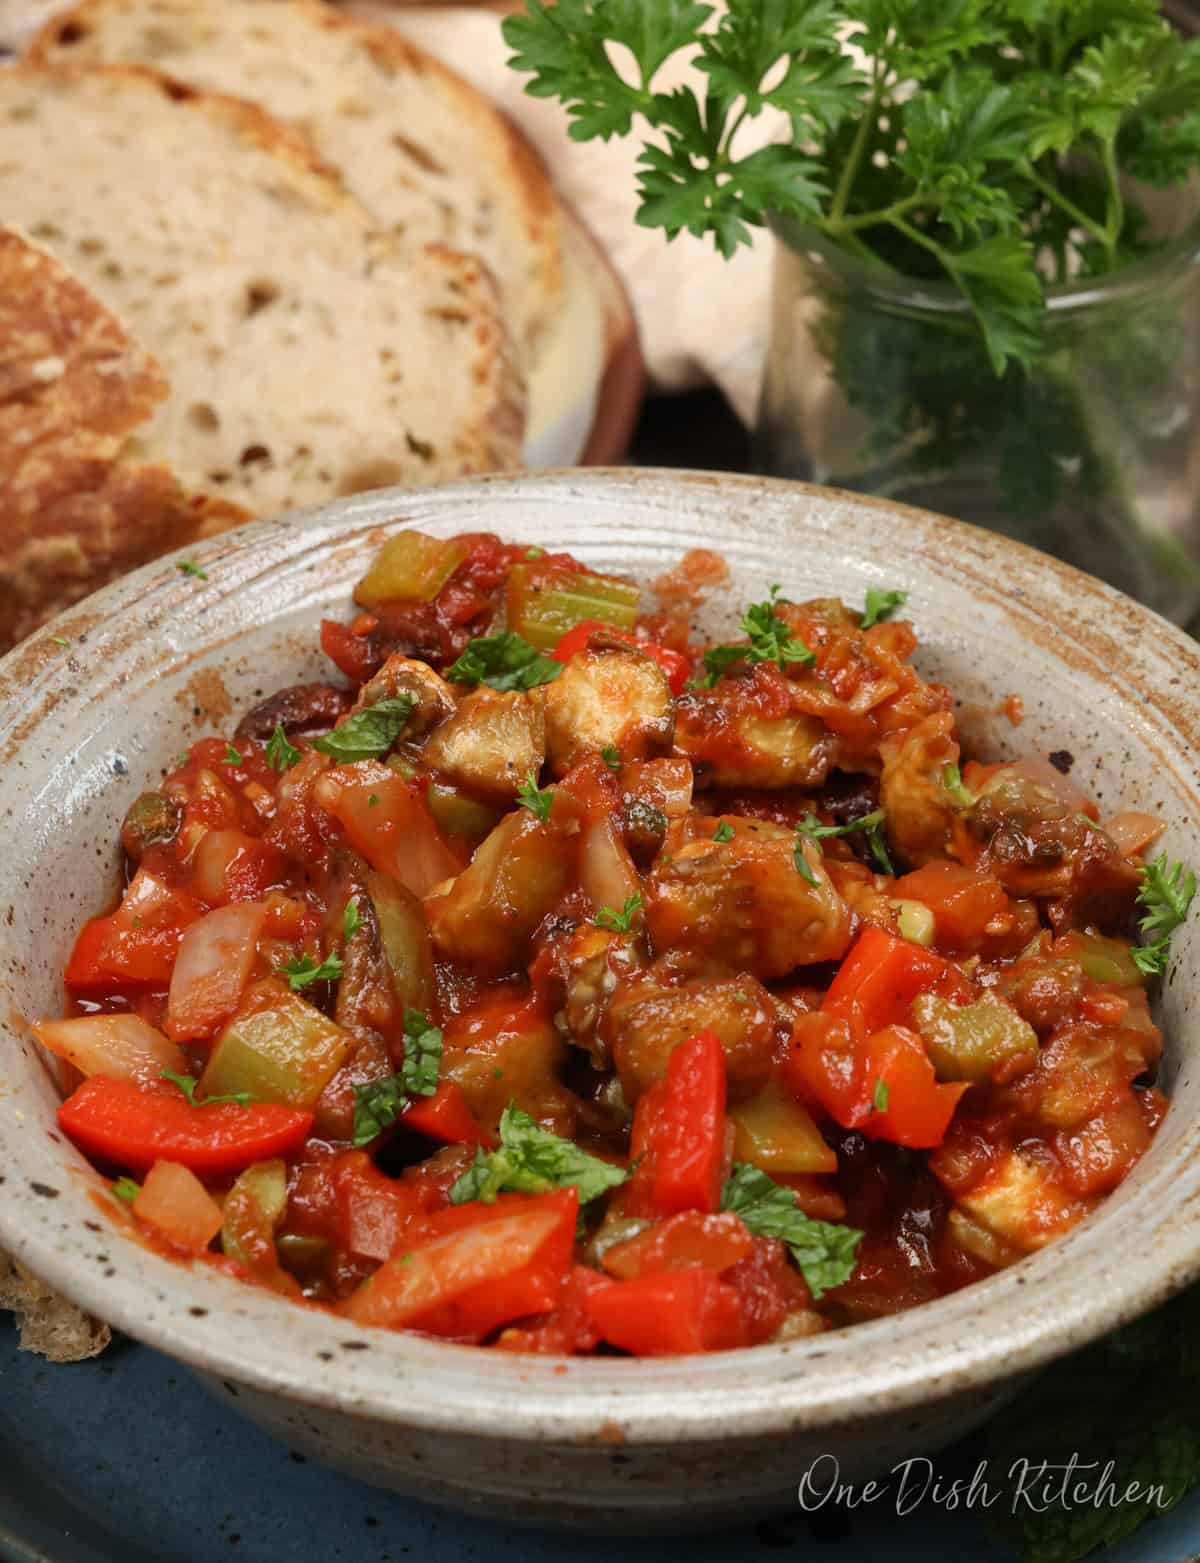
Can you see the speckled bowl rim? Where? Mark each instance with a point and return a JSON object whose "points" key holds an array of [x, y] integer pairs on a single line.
{"points": [[1136, 1251]]}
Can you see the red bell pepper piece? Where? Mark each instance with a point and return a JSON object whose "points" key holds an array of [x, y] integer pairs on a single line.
{"points": [[134, 1126], [716, 1242], [881, 976], [445, 1116], [826, 1065], [145, 930], [914, 1109], [85, 973], [678, 1138], [566, 1330], [673, 663], [473, 1267], [357, 656], [373, 1211], [668, 1314]]}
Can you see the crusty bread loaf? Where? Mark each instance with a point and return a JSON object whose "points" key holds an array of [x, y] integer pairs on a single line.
{"points": [[426, 153], [74, 389], [48, 1323], [306, 356]]}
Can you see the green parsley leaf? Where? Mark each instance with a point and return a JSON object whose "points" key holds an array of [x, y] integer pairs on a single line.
{"points": [[231, 756], [611, 756], [531, 1160], [281, 755], [534, 552], [823, 1252], [1167, 892], [188, 1083], [182, 759], [190, 567], [505, 661], [803, 867], [874, 824], [302, 970], [369, 734], [61, 640], [881, 605], [373, 801], [538, 803], [622, 921], [351, 921], [770, 640], [724, 832], [880, 1095], [378, 1104], [127, 1189], [422, 1054]]}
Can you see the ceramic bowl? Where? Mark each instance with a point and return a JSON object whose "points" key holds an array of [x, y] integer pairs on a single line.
{"points": [[595, 1443]]}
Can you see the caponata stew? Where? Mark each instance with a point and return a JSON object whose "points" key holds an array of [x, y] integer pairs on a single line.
{"points": [[552, 982]]}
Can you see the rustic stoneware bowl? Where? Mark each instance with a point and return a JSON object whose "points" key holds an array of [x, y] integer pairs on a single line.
{"points": [[604, 1444]]}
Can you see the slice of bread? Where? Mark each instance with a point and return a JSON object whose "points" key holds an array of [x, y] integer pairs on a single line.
{"points": [[306, 356], [49, 1324], [74, 389], [427, 154]]}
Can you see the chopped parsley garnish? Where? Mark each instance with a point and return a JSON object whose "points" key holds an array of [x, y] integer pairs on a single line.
{"points": [[302, 970], [723, 832], [281, 755], [369, 733], [190, 567], [770, 640], [823, 1252], [505, 661], [611, 756], [880, 1095], [873, 824], [1167, 893], [622, 921], [378, 1104], [231, 756], [373, 801], [881, 605], [538, 803], [127, 1189], [531, 1160], [534, 552], [61, 640], [351, 921], [188, 1083]]}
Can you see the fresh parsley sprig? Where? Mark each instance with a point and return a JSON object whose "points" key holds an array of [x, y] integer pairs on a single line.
{"points": [[505, 661], [873, 824], [531, 1160], [622, 921], [538, 802], [281, 754], [378, 1104], [880, 605], [1167, 892], [769, 640], [975, 139], [823, 1251], [369, 733], [188, 1083]]}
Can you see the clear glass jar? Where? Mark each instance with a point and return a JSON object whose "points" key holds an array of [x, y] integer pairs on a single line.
{"points": [[880, 383]]}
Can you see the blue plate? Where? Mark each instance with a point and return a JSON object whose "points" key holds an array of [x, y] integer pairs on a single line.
{"points": [[126, 1459]]}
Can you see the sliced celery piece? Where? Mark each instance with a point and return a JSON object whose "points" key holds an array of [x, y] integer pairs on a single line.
{"points": [[409, 567]]}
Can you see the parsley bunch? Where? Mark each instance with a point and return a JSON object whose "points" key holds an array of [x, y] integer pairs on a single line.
{"points": [[982, 141]]}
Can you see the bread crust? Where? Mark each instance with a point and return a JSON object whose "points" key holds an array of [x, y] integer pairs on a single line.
{"points": [[49, 1324], [74, 387], [514, 171]]}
